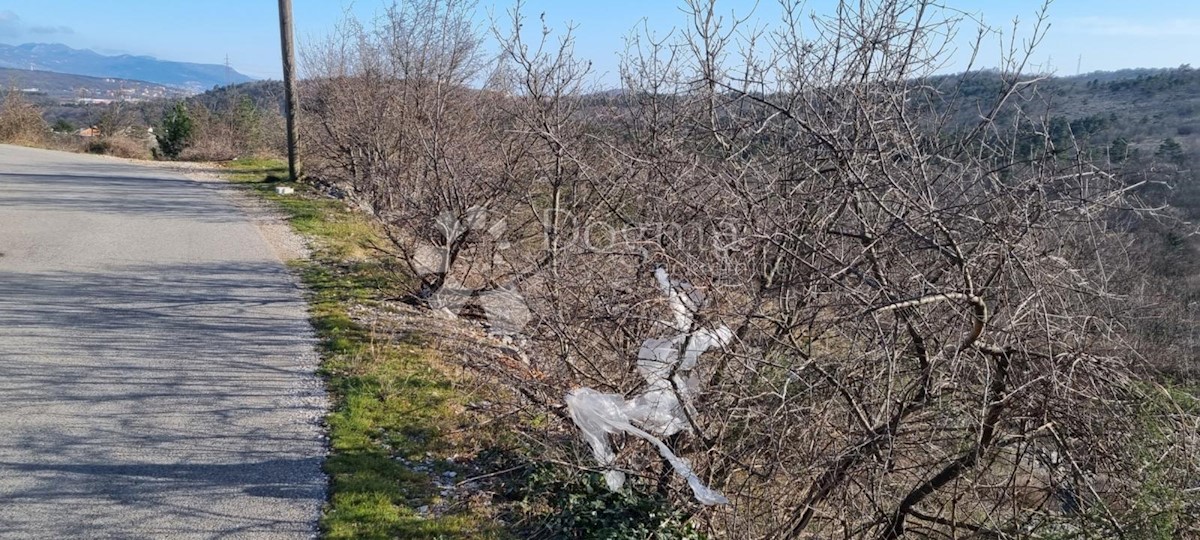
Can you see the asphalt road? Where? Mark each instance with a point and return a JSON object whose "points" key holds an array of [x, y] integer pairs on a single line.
{"points": [[156, 363]]}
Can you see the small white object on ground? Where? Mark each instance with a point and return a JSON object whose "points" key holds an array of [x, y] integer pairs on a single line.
{"points": [[284, 190]]}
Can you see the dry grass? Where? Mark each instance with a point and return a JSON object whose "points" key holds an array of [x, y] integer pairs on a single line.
{"points": [[119, 146]]}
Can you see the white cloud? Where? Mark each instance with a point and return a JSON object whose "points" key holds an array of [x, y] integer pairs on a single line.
{"points": [[1118, 27], [51, 30], [12, 27], [10, 24]]}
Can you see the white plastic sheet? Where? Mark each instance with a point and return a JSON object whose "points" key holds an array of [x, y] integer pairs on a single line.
{"points": [[667, 365]]}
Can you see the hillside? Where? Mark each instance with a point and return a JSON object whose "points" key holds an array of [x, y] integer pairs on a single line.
{"points": [[62, 86], [265, 95], [62, 59], [1140, 107]]}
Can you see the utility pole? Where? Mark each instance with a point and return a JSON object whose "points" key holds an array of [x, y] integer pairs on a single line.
{"points": [[289, 82]]}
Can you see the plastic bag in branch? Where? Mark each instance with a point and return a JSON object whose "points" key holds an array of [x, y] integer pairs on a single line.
{"points": [[666, 364]]}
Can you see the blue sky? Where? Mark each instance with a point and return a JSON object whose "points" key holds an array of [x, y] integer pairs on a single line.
{"points": [[1085, 34]]}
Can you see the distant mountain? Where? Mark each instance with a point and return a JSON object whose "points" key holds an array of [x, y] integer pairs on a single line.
{"points": [[63, 59]]}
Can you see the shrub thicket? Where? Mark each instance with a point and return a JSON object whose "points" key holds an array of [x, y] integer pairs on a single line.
{"points": [[937, 328], [20, 121]]}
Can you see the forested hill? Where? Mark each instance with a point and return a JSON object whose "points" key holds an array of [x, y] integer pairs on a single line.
{"points": [[1136, 111], [262, 94]]}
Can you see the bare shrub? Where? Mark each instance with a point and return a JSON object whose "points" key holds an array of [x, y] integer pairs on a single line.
{"points": [[234, 128], [933, 324], [66, 142], [391, 116], [923, 316], [119, 119], [119, 146], [209, 149], [20, 121]]}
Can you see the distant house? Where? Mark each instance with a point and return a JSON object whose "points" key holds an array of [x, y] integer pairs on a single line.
{"points": [[88, 132]]}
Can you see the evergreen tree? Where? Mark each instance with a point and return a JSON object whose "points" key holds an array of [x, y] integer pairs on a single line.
{"points": [[1170, 151], [175, 132], [62, 125], [1118, 151]]}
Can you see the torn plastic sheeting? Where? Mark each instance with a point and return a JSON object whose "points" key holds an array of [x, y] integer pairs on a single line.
{"points": [[685, 300], [658, 409], [598, 415], [666, 364]]}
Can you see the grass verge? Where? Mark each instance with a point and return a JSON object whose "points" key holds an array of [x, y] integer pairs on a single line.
{"points": [[391, 405]]}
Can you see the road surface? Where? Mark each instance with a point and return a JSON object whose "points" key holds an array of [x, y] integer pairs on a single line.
{"points": [[156, 363]]}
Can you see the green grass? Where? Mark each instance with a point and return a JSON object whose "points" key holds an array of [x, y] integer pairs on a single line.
{"points": [[253, 170], [397, 415], [391, 406]]}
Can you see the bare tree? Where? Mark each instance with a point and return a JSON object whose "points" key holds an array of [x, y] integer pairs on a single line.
{"points": [[392, 116]]}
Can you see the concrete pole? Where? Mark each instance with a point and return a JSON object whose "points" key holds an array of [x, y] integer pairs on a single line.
{"points": [[289, 82]]}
